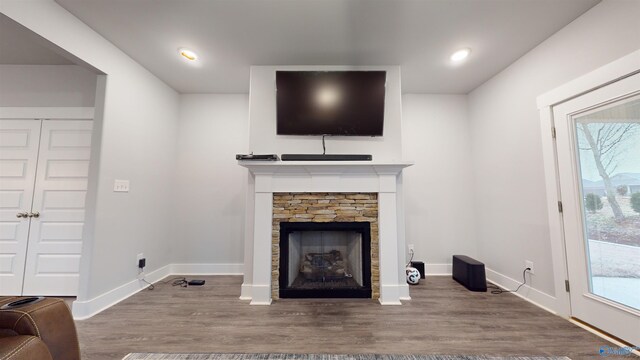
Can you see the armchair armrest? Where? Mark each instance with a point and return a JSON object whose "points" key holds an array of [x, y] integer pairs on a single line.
{"points": [[46, 318]]}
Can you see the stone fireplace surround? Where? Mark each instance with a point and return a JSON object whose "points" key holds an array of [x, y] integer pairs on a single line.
{"points": [[319, 179], [322, 208]]}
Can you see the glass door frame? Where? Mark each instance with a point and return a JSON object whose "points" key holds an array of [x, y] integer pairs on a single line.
{"points": [[605, 314], [622, 68]]}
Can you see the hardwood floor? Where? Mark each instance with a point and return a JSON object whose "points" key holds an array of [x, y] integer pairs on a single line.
{"points": [[442, 318]]}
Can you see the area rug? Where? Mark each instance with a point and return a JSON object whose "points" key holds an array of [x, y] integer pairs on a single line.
{"points": [[159, 356]]}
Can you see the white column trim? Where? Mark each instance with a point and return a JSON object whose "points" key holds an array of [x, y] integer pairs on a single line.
{"points": [[387, 240], [262, 252]]}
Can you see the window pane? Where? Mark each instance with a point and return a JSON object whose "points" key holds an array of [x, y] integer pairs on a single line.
{"points": [[609, 161]]}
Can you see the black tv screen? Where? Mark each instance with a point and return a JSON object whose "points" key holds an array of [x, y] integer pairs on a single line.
{"points": [[330, 102]]}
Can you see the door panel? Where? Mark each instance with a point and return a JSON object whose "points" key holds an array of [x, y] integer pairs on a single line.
{"points": [[19, 140], [598, 149], [55, 243]]}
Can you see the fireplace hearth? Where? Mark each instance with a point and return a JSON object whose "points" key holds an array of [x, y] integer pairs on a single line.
{"points": [[325, 260]]}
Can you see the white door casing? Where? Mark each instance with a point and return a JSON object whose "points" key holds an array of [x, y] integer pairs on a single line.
{"points": [[19, 141], [619, 320]]}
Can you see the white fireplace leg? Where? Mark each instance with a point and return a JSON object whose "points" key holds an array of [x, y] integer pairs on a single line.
{"points": [[247, 281], [402, 250], [387, 233], [261, 287]]}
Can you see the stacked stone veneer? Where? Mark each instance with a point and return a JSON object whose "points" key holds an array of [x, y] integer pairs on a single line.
{"points": [[325, 207]]}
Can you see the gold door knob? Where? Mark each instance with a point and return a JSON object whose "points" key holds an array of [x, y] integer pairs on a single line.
{"points": [[34, 214], [22, 215]]}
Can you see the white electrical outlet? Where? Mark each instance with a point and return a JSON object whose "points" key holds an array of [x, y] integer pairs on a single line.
{"points": [[140, 270], [529, 264], [121, 185], [410, 246]]}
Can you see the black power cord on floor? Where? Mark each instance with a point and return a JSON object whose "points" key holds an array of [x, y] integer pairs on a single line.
{"points": [[497, 290], [177, 281]]}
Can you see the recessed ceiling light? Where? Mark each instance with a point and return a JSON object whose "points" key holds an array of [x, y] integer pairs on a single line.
{"points": [[460, 55], [188, 54]]}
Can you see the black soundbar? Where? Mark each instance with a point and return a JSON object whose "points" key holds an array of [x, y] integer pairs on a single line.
{"points": [[265, 157], [326, 157]]}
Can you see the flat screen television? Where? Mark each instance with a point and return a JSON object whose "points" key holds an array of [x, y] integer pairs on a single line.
{"points": [[349, 103]]}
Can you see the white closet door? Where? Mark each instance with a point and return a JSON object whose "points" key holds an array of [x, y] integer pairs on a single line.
{"points": [[18, 158], [55, 241]]}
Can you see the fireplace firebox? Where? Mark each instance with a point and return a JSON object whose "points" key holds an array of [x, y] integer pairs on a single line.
{"points": [[325, 260]]}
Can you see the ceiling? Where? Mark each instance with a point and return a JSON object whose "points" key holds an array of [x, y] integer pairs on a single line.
{"points": [[419, 35], [19, 45]]}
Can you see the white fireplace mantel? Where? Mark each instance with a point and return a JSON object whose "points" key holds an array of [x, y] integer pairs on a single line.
{"points": [[267, 177]]}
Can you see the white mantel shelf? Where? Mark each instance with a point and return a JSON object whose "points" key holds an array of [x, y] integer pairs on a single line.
{"points": [[268, 177], [311, 167]]}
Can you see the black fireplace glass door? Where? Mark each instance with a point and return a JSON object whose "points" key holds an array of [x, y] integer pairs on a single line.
{"points": [[325, 260]]}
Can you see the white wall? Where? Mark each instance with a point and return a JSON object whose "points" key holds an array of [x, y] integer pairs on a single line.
{"points": [[46, 85], [138, 123], [211, 187], [511, 215], [439, 199], [263, 138]]}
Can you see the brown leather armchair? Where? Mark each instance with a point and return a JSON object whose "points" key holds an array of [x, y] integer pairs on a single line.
{"points": [[37, 328]]}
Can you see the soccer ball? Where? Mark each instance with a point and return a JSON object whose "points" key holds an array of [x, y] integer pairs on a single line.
{"points": [[413, 276]]}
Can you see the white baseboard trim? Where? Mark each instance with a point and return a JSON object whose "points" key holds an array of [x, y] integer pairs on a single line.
{"points": [[390, 294], [87, 308], [437, 269], [261, 303], [536, 297], [405, 292], [389, 303], [260, 294], [245, 291], [207, 269]]}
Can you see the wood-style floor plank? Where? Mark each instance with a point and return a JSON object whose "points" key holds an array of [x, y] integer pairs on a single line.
{"points": [[442, 318]]}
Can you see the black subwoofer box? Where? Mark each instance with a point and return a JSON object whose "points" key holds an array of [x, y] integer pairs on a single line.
{"points": [[469, 272], [419, 265]]}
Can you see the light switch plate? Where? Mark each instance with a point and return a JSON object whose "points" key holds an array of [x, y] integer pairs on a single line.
{"points": [[121, 185]]}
